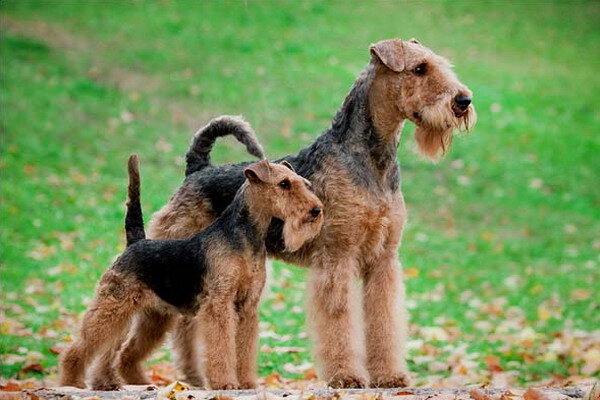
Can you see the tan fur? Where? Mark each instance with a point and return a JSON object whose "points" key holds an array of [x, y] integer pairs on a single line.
{"points": [[228, 308], [188, 351], [103, 329], [359, 238], [425, 100], [170, 223], [362, 229], [148, 330], [181, 218]]}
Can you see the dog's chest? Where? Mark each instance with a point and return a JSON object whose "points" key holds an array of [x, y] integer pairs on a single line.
{"points": [[383, 226], [250, 280], [363, 219]]}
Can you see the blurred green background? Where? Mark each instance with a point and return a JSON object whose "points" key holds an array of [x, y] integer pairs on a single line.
{"points": [[501, 250]]}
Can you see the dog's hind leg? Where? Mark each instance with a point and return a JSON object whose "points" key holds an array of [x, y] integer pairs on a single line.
{"points": [[105, 375], [104, 325], [146, 334], [187, 346]]}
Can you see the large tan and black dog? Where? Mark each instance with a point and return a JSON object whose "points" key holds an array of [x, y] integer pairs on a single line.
{"points": [[354, 171]]}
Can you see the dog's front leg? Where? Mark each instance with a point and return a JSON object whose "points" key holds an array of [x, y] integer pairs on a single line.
{"points": [[334, 318], [247, 345], [386, 322], [247, 332], [218, 320]]}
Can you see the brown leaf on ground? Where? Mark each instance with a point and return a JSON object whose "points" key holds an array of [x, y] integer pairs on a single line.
{"points": [[478, 394], [162, 373], [273, 379], [493, 364], [34, 367], [539, 394], [10, 386], [310, 375]]}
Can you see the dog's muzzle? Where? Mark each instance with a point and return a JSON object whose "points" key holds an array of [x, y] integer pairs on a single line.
{"points": [[460, 105], [315, 212]]}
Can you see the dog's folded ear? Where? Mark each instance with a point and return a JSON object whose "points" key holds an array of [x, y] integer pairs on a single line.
{"points": [[287, 164], [258, 172], [390, 53]]}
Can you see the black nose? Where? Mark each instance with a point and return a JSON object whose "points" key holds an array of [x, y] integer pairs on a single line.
{"points": [[315, 212], [463, 102]]}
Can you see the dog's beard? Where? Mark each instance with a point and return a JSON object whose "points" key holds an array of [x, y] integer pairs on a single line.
{"points": [[297, 231], [435, 129]]}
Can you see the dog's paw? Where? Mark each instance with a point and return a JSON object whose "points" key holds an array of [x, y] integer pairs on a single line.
{"points": [[247, 385], [348, 382], [106, 386], [133, 375], [196, 382], [397, 380], [224, 386]]}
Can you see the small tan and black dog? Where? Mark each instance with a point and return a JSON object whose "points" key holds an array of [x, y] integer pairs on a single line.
{"points": [[217, 276]]}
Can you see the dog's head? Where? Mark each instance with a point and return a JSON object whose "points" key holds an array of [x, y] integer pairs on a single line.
{"points": [[287, 196], [421, 86]]}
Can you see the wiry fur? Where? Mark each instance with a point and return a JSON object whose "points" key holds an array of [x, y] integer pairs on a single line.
{"points": [[353, 170], [434, 135], [198, 155], [134, 221], [215, 277]]}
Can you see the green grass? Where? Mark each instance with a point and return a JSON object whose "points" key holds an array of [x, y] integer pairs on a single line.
{"points": [[511, 213]]}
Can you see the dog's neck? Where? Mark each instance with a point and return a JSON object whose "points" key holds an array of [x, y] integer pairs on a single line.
{"points": [[369, 120], [259, 213], [245, 217], [386, 116]]}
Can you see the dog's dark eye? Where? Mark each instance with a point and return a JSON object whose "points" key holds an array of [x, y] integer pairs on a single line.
{"points": [[420, 69], [284, 184]]}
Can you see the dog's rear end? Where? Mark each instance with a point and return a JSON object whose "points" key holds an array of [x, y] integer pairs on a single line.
{"points": [[117, 299]]}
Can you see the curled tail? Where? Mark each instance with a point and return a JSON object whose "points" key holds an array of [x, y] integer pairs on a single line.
{"points": [[134, 222], [198, 155]]}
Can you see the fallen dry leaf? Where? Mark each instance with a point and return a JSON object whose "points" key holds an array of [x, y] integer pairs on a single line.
{"points": [[478, 394], [310, 375], [162, 373], [493, 364], [35, 367], [273, 379], [170, 392], [10, 386], [538, 394]]}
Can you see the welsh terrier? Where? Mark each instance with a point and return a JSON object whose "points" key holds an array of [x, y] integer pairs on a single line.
{"points": [[217, 275]]}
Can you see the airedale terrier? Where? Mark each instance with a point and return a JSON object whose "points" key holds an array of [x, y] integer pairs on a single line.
{"points": [[217, 274], [354, 171]]}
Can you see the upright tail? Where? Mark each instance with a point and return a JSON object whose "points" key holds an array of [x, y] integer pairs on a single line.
{"points": [[198, 155], [134, 222]]}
